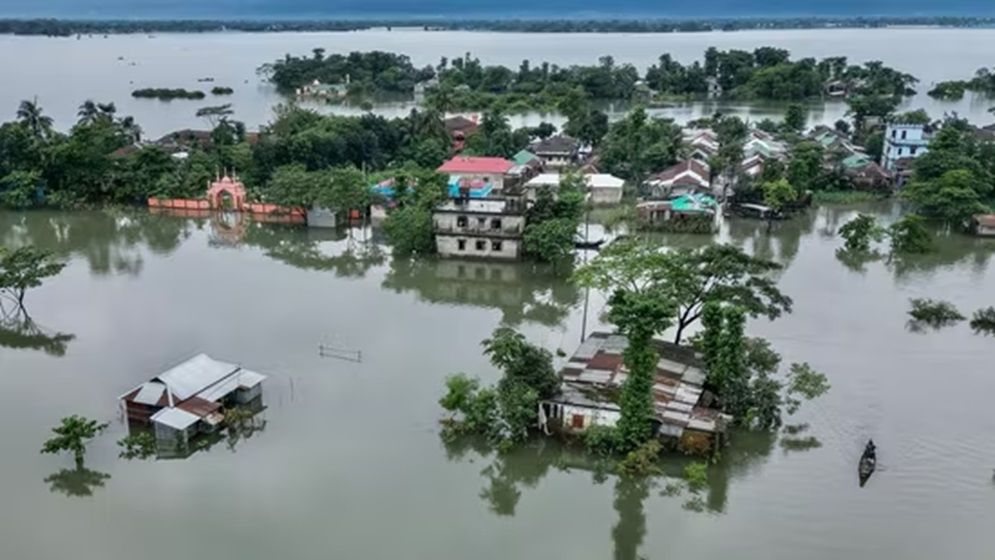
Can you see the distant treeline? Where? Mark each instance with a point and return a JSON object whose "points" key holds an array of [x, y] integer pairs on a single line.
{"points": [[67, 27]]}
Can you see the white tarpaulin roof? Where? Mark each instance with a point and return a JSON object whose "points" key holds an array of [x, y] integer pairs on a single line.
{"points": [[175, 418], [194, 375]]}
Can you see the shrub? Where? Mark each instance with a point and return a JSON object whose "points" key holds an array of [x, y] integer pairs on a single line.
{"points": [[642, 461], [601, 440], [697, 475]]}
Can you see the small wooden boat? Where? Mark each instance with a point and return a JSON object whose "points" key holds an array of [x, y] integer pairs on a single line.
{"points": [[588, 244], [868, 462]]}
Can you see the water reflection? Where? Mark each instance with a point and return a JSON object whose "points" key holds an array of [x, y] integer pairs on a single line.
{"points": [[110, 241], [507, 476], [520, 291], [79, 482], [23, 333]]}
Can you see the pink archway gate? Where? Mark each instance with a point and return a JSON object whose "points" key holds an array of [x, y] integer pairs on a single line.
{"points": [[229, 186]]}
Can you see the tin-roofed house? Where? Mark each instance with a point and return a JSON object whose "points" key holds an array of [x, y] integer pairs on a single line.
{"points": [[190, 398], [592, 383]]}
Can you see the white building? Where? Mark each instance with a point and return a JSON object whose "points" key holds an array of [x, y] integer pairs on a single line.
{"points": [[903, 141], [487, 228], [602, 188]]}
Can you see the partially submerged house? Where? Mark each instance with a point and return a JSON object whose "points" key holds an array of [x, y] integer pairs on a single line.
{"points": [[483, 227], [690, 176], [983, 225], [592, 382], [690, 213], [557, 152], [903, 141], [190, 398]]}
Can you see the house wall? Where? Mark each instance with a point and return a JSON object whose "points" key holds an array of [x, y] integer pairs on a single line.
{"points": [[555, 161], [902, 141], [243, 396], [168, 437], [604, 195], [564, 415], [455, 245], [511, 225]]}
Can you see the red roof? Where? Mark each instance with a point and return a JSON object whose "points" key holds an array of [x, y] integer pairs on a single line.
{"points": [[463, 164]]}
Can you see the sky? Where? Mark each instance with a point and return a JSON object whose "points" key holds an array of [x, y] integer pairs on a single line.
{"points": [[233, 9]]}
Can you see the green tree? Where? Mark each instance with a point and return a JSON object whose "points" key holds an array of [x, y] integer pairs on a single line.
{"points": [[795, 117], [953, 197], [638, 316], [409, 230], [72, 435], [18, 189], [24, 268], [860, 232], [909, 236], [804, 384], [550, 240], [521, 361], [692, 277], [805, 166]]}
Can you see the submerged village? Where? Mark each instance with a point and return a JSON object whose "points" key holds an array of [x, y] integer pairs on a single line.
{"points": [[677, 371]]}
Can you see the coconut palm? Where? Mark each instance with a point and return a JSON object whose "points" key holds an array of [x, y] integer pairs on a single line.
{"points": [[88, 112], [30, 115], [130, 130]]}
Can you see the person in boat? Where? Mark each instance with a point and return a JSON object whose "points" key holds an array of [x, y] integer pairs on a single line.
{"points": [[871, 449]]}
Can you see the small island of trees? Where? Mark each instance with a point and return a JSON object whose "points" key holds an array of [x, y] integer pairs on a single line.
{"points": [[167, 94], [463, 82]]}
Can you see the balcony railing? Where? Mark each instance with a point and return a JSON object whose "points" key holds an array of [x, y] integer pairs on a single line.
{"points": [[474, 229]]}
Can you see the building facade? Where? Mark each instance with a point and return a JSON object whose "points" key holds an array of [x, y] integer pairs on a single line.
{"points": [[480, 228], [903, 141], [486, 171]]}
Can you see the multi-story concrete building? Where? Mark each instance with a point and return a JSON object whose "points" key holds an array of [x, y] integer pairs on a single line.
{"points": [[903, 141], [487, 228]]}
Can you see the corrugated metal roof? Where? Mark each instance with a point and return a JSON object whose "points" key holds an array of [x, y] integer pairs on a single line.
{"points": [[242, 378], [175, 418], [194, 375], [149, 393]]}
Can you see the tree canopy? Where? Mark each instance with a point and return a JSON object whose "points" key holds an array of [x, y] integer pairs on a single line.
{"points": [[72, 435], [690, 278]]}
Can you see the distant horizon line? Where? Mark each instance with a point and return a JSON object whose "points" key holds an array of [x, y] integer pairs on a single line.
{"points": [[478, 17]]}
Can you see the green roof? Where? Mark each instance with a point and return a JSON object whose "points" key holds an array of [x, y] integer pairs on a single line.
{"points": [[693, 203], [524, 157], [856, 160]]}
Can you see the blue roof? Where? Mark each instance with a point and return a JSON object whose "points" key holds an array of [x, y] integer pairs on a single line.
{"points": [[479, 191]]}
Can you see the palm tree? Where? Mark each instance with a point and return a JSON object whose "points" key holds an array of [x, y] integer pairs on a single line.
{"points": [[30, 115], [130, 130], [87, 112]]}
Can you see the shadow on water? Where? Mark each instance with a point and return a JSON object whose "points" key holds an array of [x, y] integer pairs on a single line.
{"points": [[507, 477], [522, 292], [78, 482]]}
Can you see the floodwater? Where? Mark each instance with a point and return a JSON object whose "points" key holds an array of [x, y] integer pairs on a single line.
{"points": [[62, 72], [350, 463]]}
